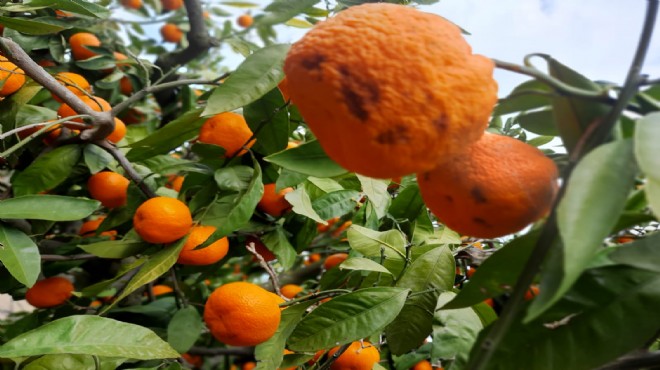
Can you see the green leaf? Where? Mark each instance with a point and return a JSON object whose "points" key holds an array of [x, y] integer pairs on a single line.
{"points": [[77, 6], [430, 274], [270, 121], [325, 184], [156, 265], [652, 189], [47, 171], [347, 318], [308, 159], [280, 11], [454, 331], [170, 137], [497, 273], [408, 204], [302, 204], [363, 264], [270, 353], [231, 212], [28, 114], [73, 362], [277, 242], [336, 204], [115, 248], [184, 329], [19, 255], [595, 197], [540, 122], [370, 242], [96, 158], [47, 207], [376, 191], [234, 178], [89, 335], [257, 75], [31, 26], [647, 136], [522, 98]]}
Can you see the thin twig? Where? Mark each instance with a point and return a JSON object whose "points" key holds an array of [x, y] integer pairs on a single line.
{"points": [[335, 356], [180, 298], [73, 257], [323, 294], [269, 269], [127, 166], [633, 362]]}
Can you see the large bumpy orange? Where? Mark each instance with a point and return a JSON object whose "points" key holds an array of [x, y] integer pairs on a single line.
{"points": [[204, 256], [109, 188], [242, 314], [162, 220], [49, 292], [388, 90], [273, 202], [496, 187], [358, 356], [11, 77], [79, 43], [228, 130]]}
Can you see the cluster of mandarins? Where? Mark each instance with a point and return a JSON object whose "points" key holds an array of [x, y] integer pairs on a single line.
{"points": [[390, 91]]}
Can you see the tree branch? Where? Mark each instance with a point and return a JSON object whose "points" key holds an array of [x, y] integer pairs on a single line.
{"points": [[237, 351], [633, 362], [127, 166], [269, 269], [73, 257]]}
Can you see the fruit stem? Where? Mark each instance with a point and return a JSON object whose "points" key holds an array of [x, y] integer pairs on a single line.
{"points": [[127, 166]]}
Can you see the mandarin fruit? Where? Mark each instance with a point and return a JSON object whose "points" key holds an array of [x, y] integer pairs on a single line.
{"points": [[195, 360], [334, 260], [171, 33], [532, 292], [118, 133], [291, 290], [383, 103], [245, 20], [358, 356], [204, 256], [12, 78], [132, 4], [49, 292], [161, 289], [79, 43], [175, 182], [125, 86], [228, 130], [88, 229], [422, 365], [96, 103], [496, 187], [273, 202], [284, 89], [172, 4], [74, 82], [110, 188], [250, 365], [162, 220], [242, 314]]}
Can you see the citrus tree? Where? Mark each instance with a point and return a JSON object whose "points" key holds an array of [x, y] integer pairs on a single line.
{"points": [[360, 199]]}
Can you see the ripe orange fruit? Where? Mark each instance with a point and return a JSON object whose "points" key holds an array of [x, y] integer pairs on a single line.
{"points": [[228, 130], [171, 33], [125, 86], [312, 258], [132, 4], [249, 365], [245, 20], [88, 229], [291, 290], [242, 314], [76, 83], [284, 89], [273, 202], [532, 292], [195, 360], [337, 232], [63, 14], [496, 187], [358, 356], [49, 292], [45, 63], [323, 228], [172, 4], [422, 365], [78, 43], [260, 248], [175, 182], [162, 220], [371, 114], [207, 255], [94, 102], [110, 188], [95, 304], [11, 76], [334, 260], [161, 289], [490, 302], [118, 133]]}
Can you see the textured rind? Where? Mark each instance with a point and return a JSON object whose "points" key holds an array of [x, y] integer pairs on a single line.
{"points": [[389, 90], [162, 220], [242, 314], [207, 255], [496, 187], [228, 130]]}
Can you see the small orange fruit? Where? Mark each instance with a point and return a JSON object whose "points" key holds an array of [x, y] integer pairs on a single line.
{"points": [[45, 63], [88, 229], [171, 33], [532, 292], [110, 188], [346, 79], [79, 43], [63, 14], [95, 304], [228, 130], [195, 360], [490, 302], [291, 290], [74, 82], [422, 365], [260, 248], [175, 182], [132, 4], [496, 187], [126, 86], [323, 228], [250, 365], [334, 260], [11, 77], [97, 104], [338, 231], [172, 4], [162, 220], [245, 20], [242, 314], [49, 292], [312, 258], [118, 133], [161, 289], [273, 202], [358, 356], [207, 255]]}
